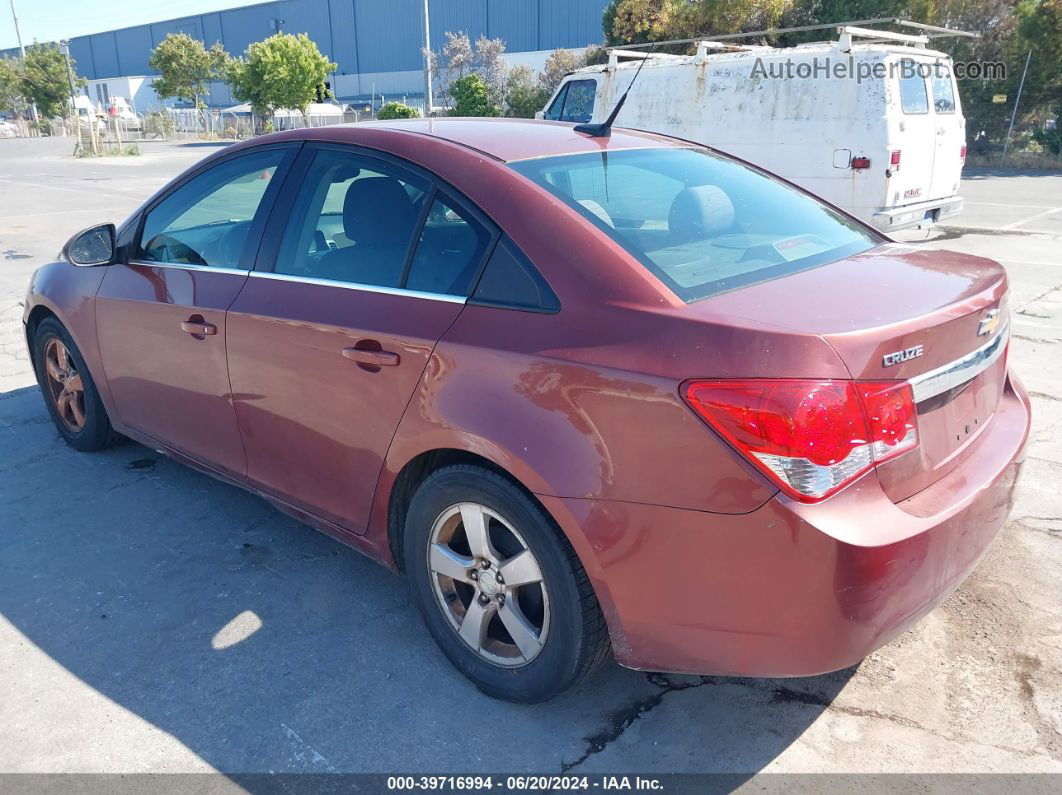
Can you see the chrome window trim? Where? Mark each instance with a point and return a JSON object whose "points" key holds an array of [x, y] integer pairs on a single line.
{"points": [[365, 288], [951, 375], [186, 267]]}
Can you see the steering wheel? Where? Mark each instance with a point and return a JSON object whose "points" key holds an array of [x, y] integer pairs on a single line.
{"points": [[229, 247]]}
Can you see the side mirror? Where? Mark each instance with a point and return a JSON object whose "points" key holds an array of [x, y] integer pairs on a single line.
{"points": [[92, 246]]}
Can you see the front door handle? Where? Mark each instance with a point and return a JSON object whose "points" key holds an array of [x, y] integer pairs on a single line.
{"points": [[372, 358], [199, 327]]}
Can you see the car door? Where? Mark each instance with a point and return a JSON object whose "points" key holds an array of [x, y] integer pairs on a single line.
{"points": [[160, 311], [917, 139], [363, 267], [951, 134]]}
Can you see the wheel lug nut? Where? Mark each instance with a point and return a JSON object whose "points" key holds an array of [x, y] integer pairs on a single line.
{"points": [[485, 564], [484, 599], [474, 574]]}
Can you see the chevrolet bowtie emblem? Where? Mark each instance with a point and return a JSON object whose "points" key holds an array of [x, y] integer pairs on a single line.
{"points": [[989, 323]]}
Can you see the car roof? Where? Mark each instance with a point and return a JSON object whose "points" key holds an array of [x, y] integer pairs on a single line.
{"points": [[511, 139]]}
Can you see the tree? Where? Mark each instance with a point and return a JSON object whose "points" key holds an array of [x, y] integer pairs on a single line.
{"points": [[11, 98], [558, 64], [397, 110], [471, 98], [639, 21], [44, 79], [459, 59], [524, 96], [185, 67], [283, 71]]}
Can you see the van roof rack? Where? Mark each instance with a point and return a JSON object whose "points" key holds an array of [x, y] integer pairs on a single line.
{"points": [[853, 29]]}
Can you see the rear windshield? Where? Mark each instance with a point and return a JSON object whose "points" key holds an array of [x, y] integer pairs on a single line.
{"points": [[703, 223]]}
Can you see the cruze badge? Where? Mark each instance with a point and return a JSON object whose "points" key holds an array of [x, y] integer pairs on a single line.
{"points": [[989, 323], [889, 359]]}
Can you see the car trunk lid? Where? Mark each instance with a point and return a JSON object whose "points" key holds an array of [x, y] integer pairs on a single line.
{"points": [[934, 318]]}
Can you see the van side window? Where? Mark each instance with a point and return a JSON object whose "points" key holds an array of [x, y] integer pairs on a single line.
{"points": [[579, 103], [557, 106], [943, 91], [913, 97]]}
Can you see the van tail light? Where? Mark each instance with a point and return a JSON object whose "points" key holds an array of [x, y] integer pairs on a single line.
{"points": [[811, 438], [859, 163], [962, 154], [894, 160]]}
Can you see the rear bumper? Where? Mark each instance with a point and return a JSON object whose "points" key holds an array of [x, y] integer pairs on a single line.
{"points": [[792, 589], [921, 214]]}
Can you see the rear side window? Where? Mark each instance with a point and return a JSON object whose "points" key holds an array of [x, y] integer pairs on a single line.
{"points": [[943, 90], [512, 282], [913, 97], [449, 251], [702, 223]]}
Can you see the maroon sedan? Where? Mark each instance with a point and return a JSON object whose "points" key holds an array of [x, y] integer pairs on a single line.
{"points": [[590, 394]]}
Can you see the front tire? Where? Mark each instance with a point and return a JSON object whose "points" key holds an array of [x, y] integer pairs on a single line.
{"points": [[69, 391], [499, 587]]}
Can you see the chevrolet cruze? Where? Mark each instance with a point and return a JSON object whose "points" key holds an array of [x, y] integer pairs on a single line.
{"points": [[592, 394]]}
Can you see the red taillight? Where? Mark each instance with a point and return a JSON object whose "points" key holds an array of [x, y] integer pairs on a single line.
{"points": [[894, 160], [859, 163], [812, 438], [962, 153]]}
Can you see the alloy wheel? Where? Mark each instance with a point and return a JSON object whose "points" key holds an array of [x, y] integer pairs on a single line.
{"points": [[488, 584], [65, 385]]}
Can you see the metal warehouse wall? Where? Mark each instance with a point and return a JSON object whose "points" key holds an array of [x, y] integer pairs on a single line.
{"points": [[361, 36]]}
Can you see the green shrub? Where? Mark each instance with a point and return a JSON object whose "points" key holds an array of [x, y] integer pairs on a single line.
{"points": [[471, 99], [397, 110]]}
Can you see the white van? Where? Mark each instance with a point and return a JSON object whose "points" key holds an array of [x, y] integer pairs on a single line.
{"points": [[874, 127]]}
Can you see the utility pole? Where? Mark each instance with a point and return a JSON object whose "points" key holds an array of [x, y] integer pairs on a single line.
{"points": [[64, 46], [1017, 99], [427, 63], [22, 52]]}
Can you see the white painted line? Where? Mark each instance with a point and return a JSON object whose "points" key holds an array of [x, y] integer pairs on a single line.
{"points": [[303, 752], [1029, 261], [1018, 206], [79, 191], [4, 218], [1036, 217]]}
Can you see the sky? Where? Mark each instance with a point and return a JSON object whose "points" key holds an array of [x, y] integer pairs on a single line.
{"points": [[51, 20]]}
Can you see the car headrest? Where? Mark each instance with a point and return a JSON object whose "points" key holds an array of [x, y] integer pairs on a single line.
{"points": [[595, 208], [377, 210], [700, 212]]}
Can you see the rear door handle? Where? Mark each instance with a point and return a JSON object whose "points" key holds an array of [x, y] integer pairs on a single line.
{"points": [[199, 327], [374, 358]]}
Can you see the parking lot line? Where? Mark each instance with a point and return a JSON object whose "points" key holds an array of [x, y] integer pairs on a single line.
{"points": [[79, 191], [1036, 217]]}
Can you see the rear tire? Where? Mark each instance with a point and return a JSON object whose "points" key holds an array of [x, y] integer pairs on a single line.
{"points": [[526, 639], [68, 389]]}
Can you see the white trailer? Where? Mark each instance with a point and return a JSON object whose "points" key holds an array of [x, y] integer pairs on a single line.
{"points": [[871, 123]]}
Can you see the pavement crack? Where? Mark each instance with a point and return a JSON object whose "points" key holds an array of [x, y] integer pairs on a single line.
{"points": [[621, 719], [1044, 396]]}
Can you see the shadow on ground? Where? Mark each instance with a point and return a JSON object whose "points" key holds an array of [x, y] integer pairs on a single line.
{"points": [[264, 646]]}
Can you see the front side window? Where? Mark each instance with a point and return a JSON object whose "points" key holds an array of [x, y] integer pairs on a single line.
{"points": [[206, 220], [353, 220], [943, 90], [579, 102], [702, 223], [557, 106], [913, 97]]}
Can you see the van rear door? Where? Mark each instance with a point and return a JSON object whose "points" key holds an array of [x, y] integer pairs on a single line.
{"points": [[917, 139], [951, 133]]}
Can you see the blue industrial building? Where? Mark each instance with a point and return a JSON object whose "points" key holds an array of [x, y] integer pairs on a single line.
{"points": [[376, 44]]}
